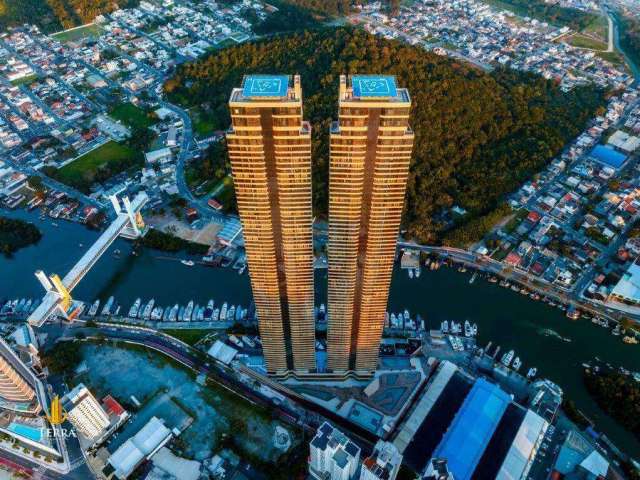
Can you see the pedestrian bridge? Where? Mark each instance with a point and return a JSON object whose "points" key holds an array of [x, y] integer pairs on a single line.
{"points": [[128, 223]]}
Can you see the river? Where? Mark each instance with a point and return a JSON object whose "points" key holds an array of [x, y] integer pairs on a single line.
{"points": [[504, 317]]}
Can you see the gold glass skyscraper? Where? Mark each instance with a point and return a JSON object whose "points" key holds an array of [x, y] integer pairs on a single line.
{"points": [[270, 150], [371, 147]]}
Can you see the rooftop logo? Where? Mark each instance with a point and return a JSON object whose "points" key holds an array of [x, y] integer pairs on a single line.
{"points": [[57, 415]]}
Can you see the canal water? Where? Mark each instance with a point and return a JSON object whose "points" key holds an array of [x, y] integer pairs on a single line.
{"points": [[505, 317]]}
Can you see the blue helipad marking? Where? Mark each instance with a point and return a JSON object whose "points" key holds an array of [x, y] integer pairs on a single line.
{"points": [[265, 86], [373, 86]]}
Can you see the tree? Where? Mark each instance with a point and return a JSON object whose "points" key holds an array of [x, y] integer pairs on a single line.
{"points": [[35, 182], [478, 135]]}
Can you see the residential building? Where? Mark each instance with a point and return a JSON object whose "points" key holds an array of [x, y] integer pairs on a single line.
{"points": [[332, 455], [270, 151], [85, 413], [15, 385], [371, 147], [383, 464]]}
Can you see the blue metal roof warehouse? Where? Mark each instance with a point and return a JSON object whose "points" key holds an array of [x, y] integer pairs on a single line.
{"points": [[472, 428]]}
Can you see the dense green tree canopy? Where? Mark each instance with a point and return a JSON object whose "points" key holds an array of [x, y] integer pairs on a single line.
{"points": [[54, 15], [630, 36], [478, 135], [618, 395], [16, 234]]}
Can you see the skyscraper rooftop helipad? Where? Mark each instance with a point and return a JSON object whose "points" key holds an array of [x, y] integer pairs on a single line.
{"points": [[374, 86], [265, 86]]}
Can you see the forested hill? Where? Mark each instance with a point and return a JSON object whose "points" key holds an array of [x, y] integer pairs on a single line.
{"points": [[54, 15], [478, 136]]}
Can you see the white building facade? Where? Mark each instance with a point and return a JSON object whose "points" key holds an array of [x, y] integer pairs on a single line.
{"points": [[333, 456], [85, 413]]}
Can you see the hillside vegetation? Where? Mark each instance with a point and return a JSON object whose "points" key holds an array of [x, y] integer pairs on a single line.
{"points": [[618, 395], [478, 135], [54, 15], [630, 36]]}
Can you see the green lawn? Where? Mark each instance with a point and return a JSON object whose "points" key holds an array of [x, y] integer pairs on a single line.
{"points": [[612, 57], [132, 116], [91, 30], [93, 161], [599, 27], [24, 80], [202, 126], [582, 41]]}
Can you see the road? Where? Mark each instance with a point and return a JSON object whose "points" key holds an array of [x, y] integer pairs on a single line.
{"points": [[297, 411]]}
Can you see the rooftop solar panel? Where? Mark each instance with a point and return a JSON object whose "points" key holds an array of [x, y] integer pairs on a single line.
{"points": [[265, 86], [374, 86]]}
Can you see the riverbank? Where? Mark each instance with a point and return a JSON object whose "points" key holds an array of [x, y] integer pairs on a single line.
{"points": [[505, 317]]}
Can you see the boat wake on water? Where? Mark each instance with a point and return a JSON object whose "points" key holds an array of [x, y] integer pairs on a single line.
{"points": [[547, 332]]}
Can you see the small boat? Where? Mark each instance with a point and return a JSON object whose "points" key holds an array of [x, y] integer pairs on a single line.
{"points": [[411, 273], [468, 330], [532, 372], [146, 313], [200, 316], [223, 312], [27, 307], [194, 314], [517, 363], [231, 313], [180, 316], [209, 310], [242, 269], [473, 277], [507, 358], [94, 308], [188, 263], [216, 315], [630, 340], [186, 317], [107, 306], [156, 313], [133, 311], [173, 313], [165, 316], [418, 272], [117, 311], [445, 326]]}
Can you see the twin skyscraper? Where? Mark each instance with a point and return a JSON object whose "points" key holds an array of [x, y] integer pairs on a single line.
{"points": [[270, 150]]}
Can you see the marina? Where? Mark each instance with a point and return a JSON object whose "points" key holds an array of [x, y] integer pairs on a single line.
{"points": [[440, 293]]}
